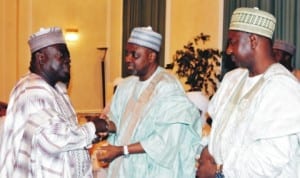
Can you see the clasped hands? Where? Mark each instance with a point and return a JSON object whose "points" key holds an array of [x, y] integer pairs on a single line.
{"points": [[103, 126]]}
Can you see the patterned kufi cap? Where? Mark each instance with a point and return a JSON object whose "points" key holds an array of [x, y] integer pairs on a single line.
{"points": [[46, 37], [253, 20], [284, 46], [146, 37]]}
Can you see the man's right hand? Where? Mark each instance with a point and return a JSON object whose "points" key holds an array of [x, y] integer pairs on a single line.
{"points": [[104, 126], [207, 166]]}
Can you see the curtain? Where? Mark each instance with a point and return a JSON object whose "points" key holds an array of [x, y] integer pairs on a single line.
{"points": [[287, 26], [138, 13]]}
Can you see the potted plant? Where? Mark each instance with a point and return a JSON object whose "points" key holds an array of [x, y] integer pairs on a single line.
{"points": [[199, 66]]}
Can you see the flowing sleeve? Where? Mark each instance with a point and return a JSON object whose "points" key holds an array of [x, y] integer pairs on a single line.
{"points": [[54, 131], [263, 158], [55, 135], [271, 144], [177, 127]]}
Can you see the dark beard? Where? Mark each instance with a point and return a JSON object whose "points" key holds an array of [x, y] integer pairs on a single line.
{"points": [[131, 72], [66, 79]]}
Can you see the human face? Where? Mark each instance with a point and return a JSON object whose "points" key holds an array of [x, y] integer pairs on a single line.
{"points": [[57, 64], [239, 47], [278, 54], [138, 60], [283, 58]]}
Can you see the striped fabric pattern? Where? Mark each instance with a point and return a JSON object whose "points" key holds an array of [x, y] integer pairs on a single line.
{"points": [[41, 136], [146, 37]]}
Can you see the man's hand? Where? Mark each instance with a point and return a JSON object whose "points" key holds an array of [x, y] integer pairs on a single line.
{"points": [[207, 166], [104, 126], [109, 153]]}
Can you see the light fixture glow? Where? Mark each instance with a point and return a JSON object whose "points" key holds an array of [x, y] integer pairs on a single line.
{"points": [[71, 34]]}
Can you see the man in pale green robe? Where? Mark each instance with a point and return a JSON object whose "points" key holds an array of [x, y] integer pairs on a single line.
{"points": [[158, 128]]}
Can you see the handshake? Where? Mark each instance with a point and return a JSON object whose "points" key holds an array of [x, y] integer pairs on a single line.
{"points": [[103, 127]]}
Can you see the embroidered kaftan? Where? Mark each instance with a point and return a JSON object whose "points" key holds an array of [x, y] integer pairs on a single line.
{"points": [[41, 137], [254, 133], [169, 129]]}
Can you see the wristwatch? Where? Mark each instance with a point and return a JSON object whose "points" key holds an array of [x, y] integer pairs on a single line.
{"points": [[125, 151]]}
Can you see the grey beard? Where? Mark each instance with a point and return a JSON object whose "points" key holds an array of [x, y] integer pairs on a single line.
{"points": [[134, 72]]}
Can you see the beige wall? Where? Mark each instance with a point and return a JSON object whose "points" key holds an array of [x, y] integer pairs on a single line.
{"points": [[191, 17], [8, 47], [26, 17], [187, 19], [100, 24]]}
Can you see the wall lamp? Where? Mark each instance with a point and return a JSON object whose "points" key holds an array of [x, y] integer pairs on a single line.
{"points": [[71, 34]]}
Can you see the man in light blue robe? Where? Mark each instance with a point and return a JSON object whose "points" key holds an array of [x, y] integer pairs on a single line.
{"points": [[159, 129]]}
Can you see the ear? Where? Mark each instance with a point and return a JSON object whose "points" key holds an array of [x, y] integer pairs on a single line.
{"points": [[253, 40], [40, 57], [152, 56]]}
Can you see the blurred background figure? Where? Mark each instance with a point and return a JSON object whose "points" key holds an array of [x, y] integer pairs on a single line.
{"points": [[284, 52], [3, 107]]}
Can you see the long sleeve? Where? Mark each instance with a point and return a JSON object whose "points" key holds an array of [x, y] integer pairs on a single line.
{"points": [[57, 135], [263, 158], [256, 134]]}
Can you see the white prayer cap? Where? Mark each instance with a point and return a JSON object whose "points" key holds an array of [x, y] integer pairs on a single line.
{"points": [[46, 37], [284, 46], [146, 37], [253, 20]]}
